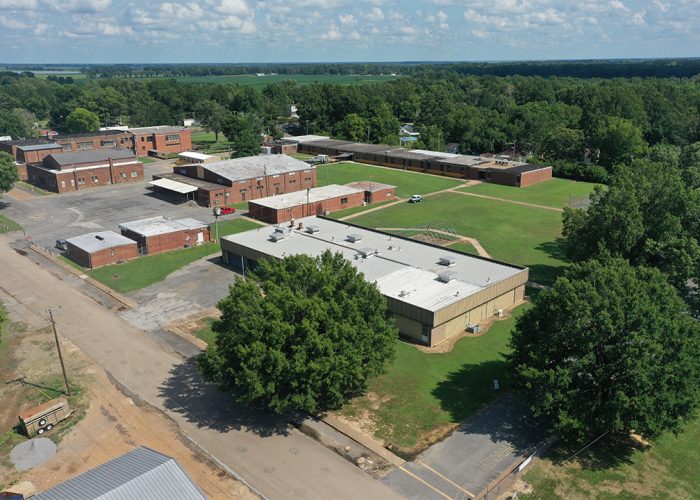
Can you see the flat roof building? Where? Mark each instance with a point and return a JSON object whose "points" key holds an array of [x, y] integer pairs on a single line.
{"points": [[190, 157], [101, 249], [161, 140], [250, 178], [375, 192], [434, 293], [315, 201], [158, 234]]}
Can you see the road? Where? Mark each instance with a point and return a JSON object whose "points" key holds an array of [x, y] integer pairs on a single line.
{"points": [[269, 455]]}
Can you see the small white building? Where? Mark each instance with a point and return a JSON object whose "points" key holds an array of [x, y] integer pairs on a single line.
{"points": [[189, 122], [190, 157]]}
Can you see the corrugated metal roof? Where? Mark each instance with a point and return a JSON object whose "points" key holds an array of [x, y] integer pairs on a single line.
{"points": [[92, 242], [142, 473], [239, 169], [160, 225], [171, 185], [307, 138], [314, 195], [39, 147], [418, 262]]}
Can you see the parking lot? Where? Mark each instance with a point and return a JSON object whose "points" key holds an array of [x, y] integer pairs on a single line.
{"points": [[48, 218]]}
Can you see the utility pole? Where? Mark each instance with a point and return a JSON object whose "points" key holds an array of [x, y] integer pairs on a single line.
{"points": [[58, 348]]}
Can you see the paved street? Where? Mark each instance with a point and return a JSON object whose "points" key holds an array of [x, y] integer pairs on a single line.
{"points": [[476, 453], [272, 457]]}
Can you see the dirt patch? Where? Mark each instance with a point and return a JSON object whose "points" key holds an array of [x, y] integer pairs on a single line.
{"points": [[20, 195], [108, 425]]}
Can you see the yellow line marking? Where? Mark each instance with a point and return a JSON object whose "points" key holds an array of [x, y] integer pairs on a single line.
{"points": [[426, 483], [445, 478]]}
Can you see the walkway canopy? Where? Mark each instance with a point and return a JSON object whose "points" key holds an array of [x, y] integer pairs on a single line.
{"points": [[170, 185]]}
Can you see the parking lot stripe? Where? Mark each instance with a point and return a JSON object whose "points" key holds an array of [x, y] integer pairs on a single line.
{"points": [[441, 493], [445, 478]]}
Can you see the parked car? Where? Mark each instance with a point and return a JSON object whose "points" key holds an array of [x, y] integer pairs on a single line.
{"points": [[415, 198], [62, 245], [227, 210]]}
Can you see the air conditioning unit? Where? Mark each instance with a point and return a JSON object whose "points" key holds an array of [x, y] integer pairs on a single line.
{"points": [[473, 328], [354, 238], [447, 276], [447, 260], [367, 252], [312, 229], [500, 313]]}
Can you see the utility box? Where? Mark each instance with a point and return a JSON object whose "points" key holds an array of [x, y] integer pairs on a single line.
{"points": [[44, 417]]}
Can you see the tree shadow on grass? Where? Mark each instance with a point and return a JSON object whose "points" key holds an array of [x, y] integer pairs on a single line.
{"points": [[507, 419], [609, 452], [201, 403]]}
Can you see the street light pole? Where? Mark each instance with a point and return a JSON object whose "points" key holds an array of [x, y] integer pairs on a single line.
{"points": [[217, 213], [58, 348]]}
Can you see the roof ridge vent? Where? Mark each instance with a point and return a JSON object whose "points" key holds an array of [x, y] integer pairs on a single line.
{"points": [[354, 238], [447, 260], [447, 276]]}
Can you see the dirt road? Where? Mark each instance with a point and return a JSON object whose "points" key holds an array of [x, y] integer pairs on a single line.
{"points": [[274, 459]]}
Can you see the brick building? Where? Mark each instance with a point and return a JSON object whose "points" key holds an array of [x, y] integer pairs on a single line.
{"points": [[29, 151], [101, 249], [375, 192], [102, 139], [242, 179], [151, 141], [314, 201], [282, 146], [159, 234], [64, 172]]}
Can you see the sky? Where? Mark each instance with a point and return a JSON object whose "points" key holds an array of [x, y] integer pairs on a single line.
{"points": [[243, 31]]}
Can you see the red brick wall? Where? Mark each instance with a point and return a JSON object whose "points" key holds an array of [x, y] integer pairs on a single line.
{"points": [[382, 195], [103, 257], [168, 241], [536, 176], [284, 149], [121, 141], [22, 171], [271, 215], [146, 142], [35, 156], [69, 180]]}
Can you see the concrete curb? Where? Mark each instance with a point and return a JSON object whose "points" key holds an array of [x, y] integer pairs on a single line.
{"points": [[175, 327], [366, 441]]}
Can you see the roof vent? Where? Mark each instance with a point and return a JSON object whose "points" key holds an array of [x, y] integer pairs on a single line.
{"points": [[367, 252], [99, 237], [312, 229], [447, 260], [354, 238], [447, 276], [279, 234]]}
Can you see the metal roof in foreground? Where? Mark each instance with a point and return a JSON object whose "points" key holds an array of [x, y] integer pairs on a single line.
{"points": [[404, 269], [142, 473]]}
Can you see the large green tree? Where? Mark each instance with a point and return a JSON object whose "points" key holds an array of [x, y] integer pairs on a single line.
{"points": [[619, 141], [212, 116], [352, 128], [8, 172], [610, 349], [82, 120], [300, 333], [244, 133]]}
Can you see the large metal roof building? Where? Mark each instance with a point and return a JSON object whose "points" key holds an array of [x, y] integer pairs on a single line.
{"points": [[433, 292]]}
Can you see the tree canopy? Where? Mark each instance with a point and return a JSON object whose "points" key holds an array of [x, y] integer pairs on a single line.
{"points": [[82, 120], [8, 172], [243, 131], [300, 333], [609, 349]]}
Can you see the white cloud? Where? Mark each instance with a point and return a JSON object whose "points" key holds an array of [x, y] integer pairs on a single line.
{"points": [[663, 7], [80, 6], [375, 14], [347, 19], [233, 8], [40, 28], [618, 5], [188, 11], [19, 4], [8, 22], [354, 35], [333, 33]]}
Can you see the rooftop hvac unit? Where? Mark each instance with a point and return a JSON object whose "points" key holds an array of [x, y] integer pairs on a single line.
{"points": [[312, 229], [354, 238], [447, 276], [447, 260], [367, 252], [500, 313], [473, 328], [279, 234]]}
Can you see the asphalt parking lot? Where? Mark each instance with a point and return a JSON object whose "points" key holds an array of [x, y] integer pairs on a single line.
{"points": [[48, 218], [474, 455]]}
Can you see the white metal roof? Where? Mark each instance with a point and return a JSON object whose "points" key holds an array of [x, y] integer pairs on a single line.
{"points": [[403, 269], [178, 187], [193, 155], [296, 198], [441, 154], [161, 225], [93, 242], [307, 138], [251, 167]]}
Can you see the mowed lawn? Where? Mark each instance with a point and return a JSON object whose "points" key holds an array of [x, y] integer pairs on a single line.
{"points": [[144, 271], [517, 234], [556, 193], [421, 392], [668, 469], [407, 182]]}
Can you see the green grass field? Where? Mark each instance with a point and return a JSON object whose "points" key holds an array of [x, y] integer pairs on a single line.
{"points": [[668, 469], [32, 189], [206, 334], [206, 142], [147, 159], [7, 225], [513, 233], [463, 246], [145, 271], [262, 81], [420, 392], [408, 183], [554, 193]]}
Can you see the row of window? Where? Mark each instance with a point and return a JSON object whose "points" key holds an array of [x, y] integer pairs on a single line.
{"points": [[95, 179]]}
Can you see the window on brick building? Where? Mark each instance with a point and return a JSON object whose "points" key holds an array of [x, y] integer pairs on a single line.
{"points": [[84, 145], [95, 179], [108, 143], [173, 137], [343, 201], [63, 184], [143, 139], [134, 174], [123, 175], [72, 182], [81, 180]]}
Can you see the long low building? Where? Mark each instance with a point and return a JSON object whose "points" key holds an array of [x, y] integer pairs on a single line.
{"points": [[158, 234], [314, 201], [486, 169], [434, 293], [101, 249]]}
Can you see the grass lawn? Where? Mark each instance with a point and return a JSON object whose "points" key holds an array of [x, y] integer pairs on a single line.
{"points": [[302, 156], [32, 189], [513, 233], [8, 225], [354, 210], [209, 139], [552, 193], [206, 334], [668, 469], [147, 159], [421, 392], [408, 183], [144, 271], [463, 246]]}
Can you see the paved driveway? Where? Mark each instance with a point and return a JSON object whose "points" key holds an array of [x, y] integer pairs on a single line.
{"points": [[478, 452]]}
